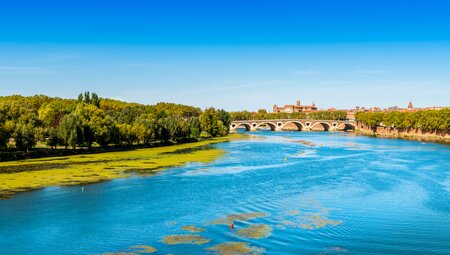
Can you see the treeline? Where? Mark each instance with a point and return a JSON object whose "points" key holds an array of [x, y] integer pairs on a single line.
{"points": [[264, 115], [425, 120], [91, 120]]}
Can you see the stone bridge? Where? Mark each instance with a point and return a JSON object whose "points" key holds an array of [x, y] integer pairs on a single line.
{"points": [[294, 125]]}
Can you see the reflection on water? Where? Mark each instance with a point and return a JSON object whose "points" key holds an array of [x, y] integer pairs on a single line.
{"points": [[274, 193]]}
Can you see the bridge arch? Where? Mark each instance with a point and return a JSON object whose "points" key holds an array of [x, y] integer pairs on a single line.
{"points": [[298, 124], [272, 126], [347, 126], [326, 126], [243, 125]]}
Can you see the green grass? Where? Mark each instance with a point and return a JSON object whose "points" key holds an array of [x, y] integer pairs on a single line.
{"points": [[30, 174]]}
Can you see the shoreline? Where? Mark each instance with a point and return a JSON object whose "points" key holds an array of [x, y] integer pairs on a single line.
{"points": [[410, 137], [40, 153], [32, 174]]}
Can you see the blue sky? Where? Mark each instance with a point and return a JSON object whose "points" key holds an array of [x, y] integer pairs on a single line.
{"points": [[230, 54]]}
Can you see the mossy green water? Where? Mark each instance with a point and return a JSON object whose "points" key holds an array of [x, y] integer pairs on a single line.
{"points": [[229, 219], [185, 239], [135, 250], [312, 216], [235, 248], [32, 174], [255, 231], [193, 229]]}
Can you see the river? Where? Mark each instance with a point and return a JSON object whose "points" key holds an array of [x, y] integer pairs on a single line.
{"points": [[315, 192]]}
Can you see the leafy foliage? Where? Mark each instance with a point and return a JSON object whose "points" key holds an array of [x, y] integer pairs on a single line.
{"points": [[90, 120], [426, 120]]}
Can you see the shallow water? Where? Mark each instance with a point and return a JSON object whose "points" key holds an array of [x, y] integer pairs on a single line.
{"points": [[345, 195]]}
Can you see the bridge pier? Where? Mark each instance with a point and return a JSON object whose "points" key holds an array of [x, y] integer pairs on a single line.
{"points": [[302, 125]]}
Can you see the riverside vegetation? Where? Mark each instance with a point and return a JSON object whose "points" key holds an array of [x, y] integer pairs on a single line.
{"points": [[39, 126], [28, 123], [427, 125], [425, 120], [24, 175]]}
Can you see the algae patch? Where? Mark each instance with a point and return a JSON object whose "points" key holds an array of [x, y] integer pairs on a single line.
{"points": [[312, 216], [135, 250], [185, 239], [318, 221], [193, 229], [236, 248], [120, 253], [293, 212], [238, 217], [307, 143], [255, 231], [30, 174], [143, 249], [333, 250]]}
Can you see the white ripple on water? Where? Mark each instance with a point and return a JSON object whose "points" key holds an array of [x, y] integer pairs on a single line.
{"points": [[220, 170], [319, 157], [305, 154], [388, 166]]}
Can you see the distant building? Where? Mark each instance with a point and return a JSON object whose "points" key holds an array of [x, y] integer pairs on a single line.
{"points": [[375, 109], [350, 115], [295, 108]]}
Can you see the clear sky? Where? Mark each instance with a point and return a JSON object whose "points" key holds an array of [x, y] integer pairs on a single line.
{"points": [[234, 54]]}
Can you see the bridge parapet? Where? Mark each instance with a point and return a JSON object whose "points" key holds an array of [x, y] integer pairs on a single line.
{"points": [[300, 124]]}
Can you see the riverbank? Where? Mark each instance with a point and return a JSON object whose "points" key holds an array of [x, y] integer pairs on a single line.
{"points": [[44, 151], [31, 174], [410, 135]]}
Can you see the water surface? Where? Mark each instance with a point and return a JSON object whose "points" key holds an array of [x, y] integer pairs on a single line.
{"points": [[344, 195]]}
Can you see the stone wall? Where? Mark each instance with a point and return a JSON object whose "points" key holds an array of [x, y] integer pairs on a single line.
{"points": [[411, 134]]}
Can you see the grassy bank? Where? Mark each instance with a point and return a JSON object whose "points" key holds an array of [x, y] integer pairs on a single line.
{"points": [[30, 174]]}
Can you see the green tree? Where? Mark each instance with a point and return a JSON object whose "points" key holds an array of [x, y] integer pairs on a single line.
{"points": [[208, 122], [126, 133], [70, 131], [95, 100], [52, 137], [4, 134], [24, 137], [194, 128], [145, 128], [225, 117]]}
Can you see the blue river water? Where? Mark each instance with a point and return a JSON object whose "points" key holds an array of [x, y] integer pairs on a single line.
{"points": [[322, 193]]}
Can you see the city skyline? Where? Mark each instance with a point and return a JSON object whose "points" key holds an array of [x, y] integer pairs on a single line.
{"points": [[236, 56]]}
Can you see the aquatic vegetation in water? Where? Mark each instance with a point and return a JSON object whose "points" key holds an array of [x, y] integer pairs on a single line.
{"points": [[318, 221], [313, 216], [143, 249], [135, 250], [307, 143], [193, 228], [293, 212], [235, 248], [185, 239], [333, 250], [238, 217], [120, 253], [288, 223], [25, 175], [313, 205], [255, 231]]}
